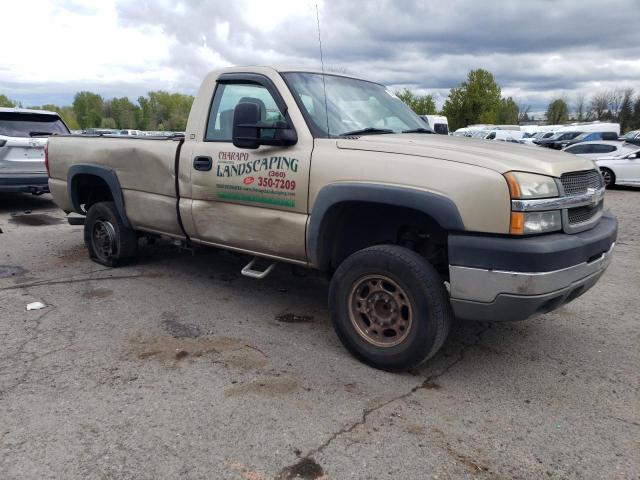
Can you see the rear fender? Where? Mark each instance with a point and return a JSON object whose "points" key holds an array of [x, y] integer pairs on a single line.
{"points": [[106, 174]]}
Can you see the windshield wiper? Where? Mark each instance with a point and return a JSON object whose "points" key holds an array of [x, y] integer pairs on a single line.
{"points": [[366, 131], [40, 134], [418, 130]]}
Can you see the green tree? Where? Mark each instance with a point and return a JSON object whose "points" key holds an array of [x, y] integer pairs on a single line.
{"points": [[476, 100], [421, 104], [625, 115], [165, 111], [124, 113], [88, 109], [108, 122], [635, 120], [69, 117], [557, 112], [509, 112], [5, 102]]}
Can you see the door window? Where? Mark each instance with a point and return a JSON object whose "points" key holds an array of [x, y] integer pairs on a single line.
{"points": [[226, 97], [603, 148], [577, 149]]}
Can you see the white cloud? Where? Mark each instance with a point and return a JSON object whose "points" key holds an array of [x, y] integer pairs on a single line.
{"points": [[127, 47]]}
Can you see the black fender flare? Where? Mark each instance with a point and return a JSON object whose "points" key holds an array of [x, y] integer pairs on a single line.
{"points": [[438, 207], [106, 174]]}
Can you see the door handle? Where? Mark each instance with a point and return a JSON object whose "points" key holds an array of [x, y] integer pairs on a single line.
{"points": [[202, 164]]}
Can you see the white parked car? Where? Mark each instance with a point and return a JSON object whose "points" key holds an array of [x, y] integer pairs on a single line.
{"points": [[23, 136], [496, 134], [598, 149], [621, 170]]}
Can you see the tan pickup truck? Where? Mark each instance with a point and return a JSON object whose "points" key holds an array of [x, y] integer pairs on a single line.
{"points": [[336, 174]]}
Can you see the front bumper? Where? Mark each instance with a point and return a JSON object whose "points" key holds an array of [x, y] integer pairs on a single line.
{"points": [[505, 279], [24, 182]]}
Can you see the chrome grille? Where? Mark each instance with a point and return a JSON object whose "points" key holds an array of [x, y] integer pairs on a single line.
{"points": [[583, 214], [575, 183]]}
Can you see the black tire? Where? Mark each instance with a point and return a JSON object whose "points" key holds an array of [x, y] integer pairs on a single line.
{"points": [[609, 177], [109, 242], [426, 299]]}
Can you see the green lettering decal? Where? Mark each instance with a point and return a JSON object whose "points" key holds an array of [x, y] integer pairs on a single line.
{"points": [[243, 197]]}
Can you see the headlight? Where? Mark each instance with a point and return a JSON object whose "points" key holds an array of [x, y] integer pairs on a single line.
{"points": [[530, 186], [530, 223]]}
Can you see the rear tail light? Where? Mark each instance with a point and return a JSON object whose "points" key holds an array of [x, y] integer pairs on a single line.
{"points": [[46, 159]]}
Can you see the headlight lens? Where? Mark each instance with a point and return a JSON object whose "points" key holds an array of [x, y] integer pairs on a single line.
{"points": [[531, 223], [530, 185]]}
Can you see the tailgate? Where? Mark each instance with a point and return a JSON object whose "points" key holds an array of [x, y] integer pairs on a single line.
{"points": [[22, 155]]}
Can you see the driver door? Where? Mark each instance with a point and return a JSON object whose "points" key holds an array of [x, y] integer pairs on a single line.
{"points": [[249, 200]]}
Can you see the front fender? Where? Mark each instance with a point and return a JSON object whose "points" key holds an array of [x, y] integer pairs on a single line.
{"points": [[438, 207]]}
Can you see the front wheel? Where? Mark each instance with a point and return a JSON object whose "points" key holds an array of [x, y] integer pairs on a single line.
{"points": [[609, 177], [389, 307], [108, 240]]}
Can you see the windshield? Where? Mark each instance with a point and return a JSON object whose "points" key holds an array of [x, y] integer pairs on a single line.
{"points": [[631, 135], [351, 105], [582, 136], [480, 134], [20, 124]]}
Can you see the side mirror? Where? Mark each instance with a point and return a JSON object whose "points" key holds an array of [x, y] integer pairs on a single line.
{"points": [[248, 129], [246, 117], [633, 156]]}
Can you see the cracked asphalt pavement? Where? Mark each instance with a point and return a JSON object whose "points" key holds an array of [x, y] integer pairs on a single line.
{"points": [[176, 366]]}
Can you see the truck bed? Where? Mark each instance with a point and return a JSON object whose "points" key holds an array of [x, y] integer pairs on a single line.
{"points": [[144, 166]]}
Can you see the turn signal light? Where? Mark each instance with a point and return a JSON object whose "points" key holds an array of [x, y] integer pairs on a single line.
{"points": [[517, 223]]}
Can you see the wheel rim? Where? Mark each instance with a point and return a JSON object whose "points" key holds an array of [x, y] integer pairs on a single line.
{"points": [[380, 310], [104, 239], [607, 177]]}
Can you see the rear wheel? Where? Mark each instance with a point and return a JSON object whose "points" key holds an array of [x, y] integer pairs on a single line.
{"points": [[609, 177], [108, 240], [389, 307]]}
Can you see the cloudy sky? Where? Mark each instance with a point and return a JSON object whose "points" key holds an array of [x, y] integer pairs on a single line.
{"points": [[537, 50]]}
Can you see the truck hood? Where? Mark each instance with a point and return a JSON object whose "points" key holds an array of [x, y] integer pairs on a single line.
{"points": [[495, 155]]}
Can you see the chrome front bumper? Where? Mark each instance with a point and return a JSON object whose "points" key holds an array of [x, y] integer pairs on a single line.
{"points": [[502, 279], [481, 285]]}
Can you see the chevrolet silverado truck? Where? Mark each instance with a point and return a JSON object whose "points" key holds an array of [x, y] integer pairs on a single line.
{"points": [[336, 174], [23, 136]]}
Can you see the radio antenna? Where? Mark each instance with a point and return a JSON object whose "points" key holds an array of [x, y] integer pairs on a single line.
{"points": [[324, 85]]}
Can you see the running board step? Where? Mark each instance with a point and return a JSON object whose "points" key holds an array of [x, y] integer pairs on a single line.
{"points": [[250, 269]]}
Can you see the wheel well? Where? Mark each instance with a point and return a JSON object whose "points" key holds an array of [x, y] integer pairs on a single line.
{"points": [[90, 189], [351, 226]]}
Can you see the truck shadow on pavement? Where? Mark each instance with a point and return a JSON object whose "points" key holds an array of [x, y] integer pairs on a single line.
{"points": [[296, 300]]}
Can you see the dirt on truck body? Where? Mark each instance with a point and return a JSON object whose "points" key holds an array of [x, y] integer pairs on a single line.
{"points": [[337, 174]]}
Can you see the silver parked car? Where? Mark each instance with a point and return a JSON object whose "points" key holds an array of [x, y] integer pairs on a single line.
{"points": [[23, 136]]}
